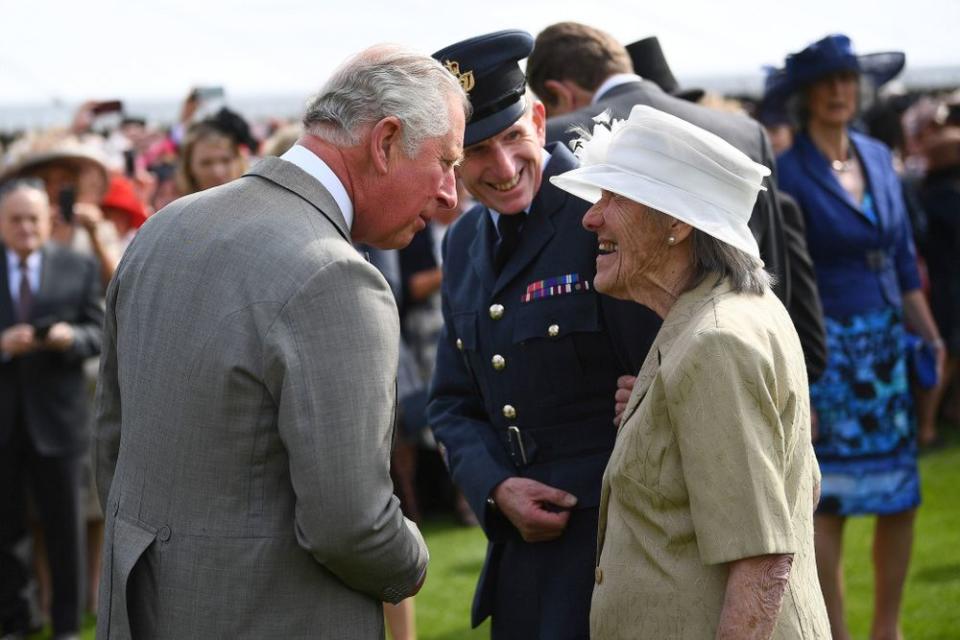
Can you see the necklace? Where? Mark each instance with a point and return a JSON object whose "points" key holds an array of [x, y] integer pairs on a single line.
{"points": [[841, 165]]}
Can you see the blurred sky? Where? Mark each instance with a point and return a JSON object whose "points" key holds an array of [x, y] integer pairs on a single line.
{"points": [[76, 49]]}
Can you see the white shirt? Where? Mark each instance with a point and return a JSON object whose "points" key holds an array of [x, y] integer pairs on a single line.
{"points": [[34, 263], [615, 80], [495, 215], [312, 164]]}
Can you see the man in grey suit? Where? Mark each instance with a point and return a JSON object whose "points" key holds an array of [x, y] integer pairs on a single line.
{"points": [[579, 71], [247, 392]]}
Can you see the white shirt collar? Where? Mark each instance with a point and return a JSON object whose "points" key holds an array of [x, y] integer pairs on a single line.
{"points": [[34, 262], [312, 164], [615, 80], [495, 215]]}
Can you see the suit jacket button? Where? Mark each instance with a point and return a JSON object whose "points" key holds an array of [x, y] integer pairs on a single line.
{"points": [[598, 575], [163, 534], [498, 362], [553, 330], [509, 411], [459, 344], [496, 311]]}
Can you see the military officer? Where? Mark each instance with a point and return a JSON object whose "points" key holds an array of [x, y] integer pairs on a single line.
{"points": [[527, 365]]}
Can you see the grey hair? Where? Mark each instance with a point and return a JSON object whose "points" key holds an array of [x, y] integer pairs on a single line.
{"points": [[711, 256], [16, 184], [383, 81]]}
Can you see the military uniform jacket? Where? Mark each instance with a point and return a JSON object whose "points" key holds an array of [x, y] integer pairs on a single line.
{"points": [[528, 360]]}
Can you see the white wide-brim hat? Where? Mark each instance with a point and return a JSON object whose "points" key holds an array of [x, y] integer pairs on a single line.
{"points": [[672, 166]]}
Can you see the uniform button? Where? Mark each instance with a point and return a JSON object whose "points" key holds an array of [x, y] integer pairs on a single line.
{"points": [[598, 575], [460, 344], [498, 362], [553, 330], [509, 412], [163, 534], [496, 311]]}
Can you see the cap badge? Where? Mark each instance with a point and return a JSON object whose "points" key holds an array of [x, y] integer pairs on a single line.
{"points": [[466, 78]]}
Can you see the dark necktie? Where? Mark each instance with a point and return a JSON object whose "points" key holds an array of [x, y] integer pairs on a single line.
{"points": [[26, 295], [509, 228]]}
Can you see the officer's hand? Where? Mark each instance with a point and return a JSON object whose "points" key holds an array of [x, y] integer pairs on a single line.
{"points": [[622, 396], [17, 340], [539, 512]]}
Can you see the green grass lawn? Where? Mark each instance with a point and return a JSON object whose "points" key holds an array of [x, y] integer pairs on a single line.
{"points": [[931, 608]]}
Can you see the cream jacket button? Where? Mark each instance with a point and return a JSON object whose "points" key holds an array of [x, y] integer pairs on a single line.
{"points": [[460, 344], [498, 362], [553, 330], [509, 412], [496, 311]]}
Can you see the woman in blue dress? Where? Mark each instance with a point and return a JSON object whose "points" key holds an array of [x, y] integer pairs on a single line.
{"points": [[861, 243]]}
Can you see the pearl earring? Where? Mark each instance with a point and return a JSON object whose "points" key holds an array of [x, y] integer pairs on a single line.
{"points": [[671, 240]]}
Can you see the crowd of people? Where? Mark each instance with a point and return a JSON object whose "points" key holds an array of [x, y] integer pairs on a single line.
{"points": [[709, 328]]}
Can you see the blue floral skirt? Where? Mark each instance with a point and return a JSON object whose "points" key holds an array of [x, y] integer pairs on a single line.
{"points": [[866, 444]]}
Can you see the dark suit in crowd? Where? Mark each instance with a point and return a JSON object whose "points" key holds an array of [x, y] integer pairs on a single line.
{"points": [[43, 434]]}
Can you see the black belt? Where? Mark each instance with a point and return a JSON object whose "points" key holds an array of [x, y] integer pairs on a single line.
{"points": [[545, 444]]}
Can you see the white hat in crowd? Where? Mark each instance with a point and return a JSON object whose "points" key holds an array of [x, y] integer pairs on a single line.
{"points": [[672, 166]]}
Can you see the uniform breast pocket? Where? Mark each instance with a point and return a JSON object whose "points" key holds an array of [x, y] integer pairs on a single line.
{"points": [[558, 338]]}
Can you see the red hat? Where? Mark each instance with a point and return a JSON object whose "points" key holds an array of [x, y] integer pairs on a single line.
{"points": [[121, 196]]}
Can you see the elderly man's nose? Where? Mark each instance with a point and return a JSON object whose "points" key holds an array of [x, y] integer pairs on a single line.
{"points": [[447, 195]]}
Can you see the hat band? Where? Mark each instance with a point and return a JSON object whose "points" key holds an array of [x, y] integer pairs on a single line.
{"points": [[499, 105]]}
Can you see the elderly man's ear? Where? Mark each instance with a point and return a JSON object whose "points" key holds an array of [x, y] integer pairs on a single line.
{"points": [[565, 96], [386, 138]]}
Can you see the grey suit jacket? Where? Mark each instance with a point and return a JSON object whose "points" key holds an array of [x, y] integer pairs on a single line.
{"points": [[244, 423]]}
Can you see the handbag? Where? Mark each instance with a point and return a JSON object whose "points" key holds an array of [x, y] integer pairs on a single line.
{"points": [[922, 360]]}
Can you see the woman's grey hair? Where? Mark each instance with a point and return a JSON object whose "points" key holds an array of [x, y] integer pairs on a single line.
{"points": [[745, 273], [383, 81]]}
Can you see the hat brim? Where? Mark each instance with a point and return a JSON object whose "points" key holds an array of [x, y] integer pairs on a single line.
{"points": [[31, 162], [880, 68], [493, 124], [588, 183]]}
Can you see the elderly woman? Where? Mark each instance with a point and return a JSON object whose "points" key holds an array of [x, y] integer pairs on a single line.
{"points": [[706, 515], [861, 243]]}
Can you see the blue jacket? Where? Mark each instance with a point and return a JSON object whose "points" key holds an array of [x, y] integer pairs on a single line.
{"points": [[561, 355], [860, 265]]}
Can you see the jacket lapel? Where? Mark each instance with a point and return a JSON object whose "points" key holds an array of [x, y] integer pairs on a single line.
{"points": [[873, 175], [293, 178], [818, 167], [538, 228], [481, 249], [7, 316]]}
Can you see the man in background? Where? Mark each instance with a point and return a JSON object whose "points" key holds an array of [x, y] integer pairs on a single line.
{"points": [[50, 321]]}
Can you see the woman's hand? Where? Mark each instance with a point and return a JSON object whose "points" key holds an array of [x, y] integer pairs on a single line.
{"points": [[622, 396]]}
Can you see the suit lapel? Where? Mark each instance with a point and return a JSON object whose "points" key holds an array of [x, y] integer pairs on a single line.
{"points": [[7, 315], [481, 249], [538, 228], [293, 178], [873, 176], [817, 165]]}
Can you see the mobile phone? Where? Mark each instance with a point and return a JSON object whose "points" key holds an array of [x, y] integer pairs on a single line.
{"points": [[107, 106], [129, 163], [41, 327], [66, 200], [205, 94]]}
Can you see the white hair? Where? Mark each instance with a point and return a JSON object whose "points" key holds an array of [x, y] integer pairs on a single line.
{"points": [[383, 81]]}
